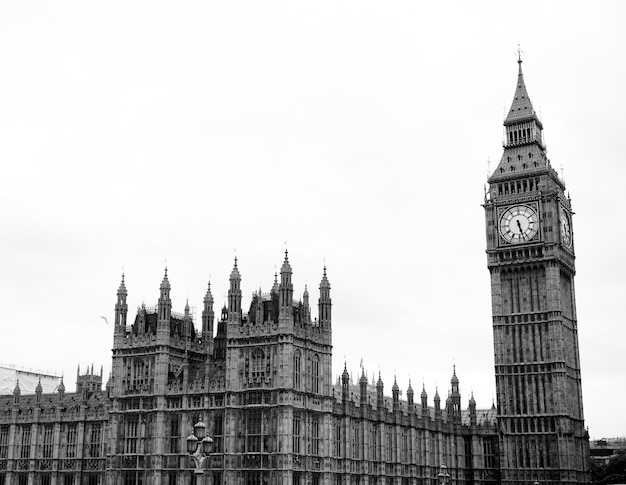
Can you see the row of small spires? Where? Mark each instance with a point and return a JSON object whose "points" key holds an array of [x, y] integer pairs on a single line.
{"points": [[38, 390], [346, 380], [61, 387], [234, 276]]}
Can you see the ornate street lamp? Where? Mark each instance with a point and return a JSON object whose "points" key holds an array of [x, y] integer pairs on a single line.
{"points": [[443, 477], [199, 445]]}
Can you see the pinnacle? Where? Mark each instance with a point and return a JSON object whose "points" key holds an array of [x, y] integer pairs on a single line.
{"points": [[286, 267], [234, 275], [122, 289], [324, 283], [395, 386], [455, 379], [521, 108], [165, 284], [208, 297]]}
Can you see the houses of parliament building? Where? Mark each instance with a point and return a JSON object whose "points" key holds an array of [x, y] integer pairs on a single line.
{"points": [[260, 380]]}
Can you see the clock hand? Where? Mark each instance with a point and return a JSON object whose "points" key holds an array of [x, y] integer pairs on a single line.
{"points": [[519, 225]]}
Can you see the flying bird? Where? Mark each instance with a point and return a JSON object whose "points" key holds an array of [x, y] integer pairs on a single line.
{"points": [[105, 320]]}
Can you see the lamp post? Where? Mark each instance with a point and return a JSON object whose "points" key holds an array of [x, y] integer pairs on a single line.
{"points": [[443, 476], [199, 445]]}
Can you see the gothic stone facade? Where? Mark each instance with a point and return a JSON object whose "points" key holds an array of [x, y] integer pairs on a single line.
{"points": [[262, 384], [261, 381]]}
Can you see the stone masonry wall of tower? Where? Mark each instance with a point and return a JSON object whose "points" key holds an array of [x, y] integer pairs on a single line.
{"points": [[530, 253]]}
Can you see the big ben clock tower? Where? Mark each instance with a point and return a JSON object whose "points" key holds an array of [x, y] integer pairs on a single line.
{"points": [[530, 252]]}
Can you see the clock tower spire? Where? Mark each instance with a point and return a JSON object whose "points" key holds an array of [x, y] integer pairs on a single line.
{"points": [[530, 256]]}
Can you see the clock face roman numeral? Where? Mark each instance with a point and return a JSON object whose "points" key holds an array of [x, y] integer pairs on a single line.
{"points": [[519, 224]]}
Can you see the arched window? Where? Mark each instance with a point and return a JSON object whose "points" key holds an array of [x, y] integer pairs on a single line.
{"points": [[315, 374], [258, 363], [297, 369]]}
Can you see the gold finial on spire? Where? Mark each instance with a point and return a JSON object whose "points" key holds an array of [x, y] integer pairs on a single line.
{"points": [[519, 53]]}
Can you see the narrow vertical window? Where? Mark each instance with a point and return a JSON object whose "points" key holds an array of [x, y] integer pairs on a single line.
{"points": [[315, 374], [25, 441], [297, 369], [315, 435], [132, 435], [48, 436], [70, 441], [4, 442], [296, 433]]}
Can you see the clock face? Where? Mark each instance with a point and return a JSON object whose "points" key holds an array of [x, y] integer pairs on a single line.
{"points": [[566, 229], [519, 224]]}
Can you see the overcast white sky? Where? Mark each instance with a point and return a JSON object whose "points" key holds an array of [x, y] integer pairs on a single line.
{"points": [[137, 132]]}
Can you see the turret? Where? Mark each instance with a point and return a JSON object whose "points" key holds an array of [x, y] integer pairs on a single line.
{"points": [[234, 296], [472, 410], [285, 290], [306, 318], [345, 384], [363, 387], [38, 391], [208, 318], [164, 306], [17, 392], [449, 409], [424, 399], [121, 310], [454, 381], [410, 396], [88, 382], [188, 330], [455, 396], [325, 304], [437, 404], [380, 398], [61, 390], [395, 392]]}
